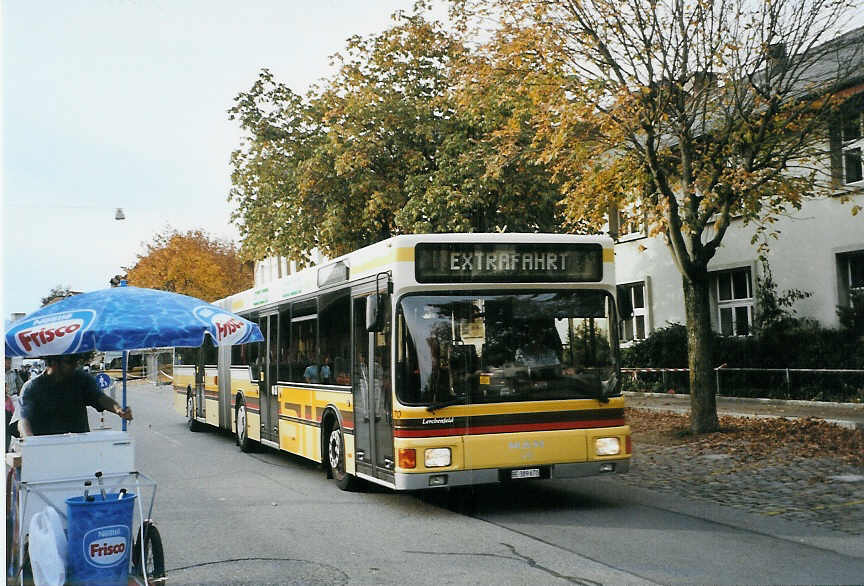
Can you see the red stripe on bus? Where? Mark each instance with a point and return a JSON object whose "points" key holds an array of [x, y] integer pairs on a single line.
{"points": [[483, 429]]}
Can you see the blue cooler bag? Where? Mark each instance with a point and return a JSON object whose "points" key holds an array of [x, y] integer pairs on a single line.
{"points": [[100, 539]]}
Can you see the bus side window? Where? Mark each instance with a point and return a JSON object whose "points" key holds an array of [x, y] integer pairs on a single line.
{"points": [[239, 355], [283, 354], [334, 327], [258, 350], [407, 368], [211, 353], [304, 340], [188, 356]]}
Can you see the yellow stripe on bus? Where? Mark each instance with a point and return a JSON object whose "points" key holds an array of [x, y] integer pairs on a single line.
{"points": [[608, 255], [404, 254], [402, 412]]}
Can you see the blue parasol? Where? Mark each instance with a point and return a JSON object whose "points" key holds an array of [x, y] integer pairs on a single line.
{"points": [[126, 318]]}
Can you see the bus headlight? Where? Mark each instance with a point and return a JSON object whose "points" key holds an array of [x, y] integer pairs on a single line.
{"points": [[607, 446], [437, 457]]}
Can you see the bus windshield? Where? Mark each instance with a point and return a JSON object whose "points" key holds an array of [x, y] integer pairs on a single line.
{"points": [[459, 349]]}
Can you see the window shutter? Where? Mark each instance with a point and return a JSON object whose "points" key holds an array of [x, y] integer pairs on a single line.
{"points": [[836, 151]]}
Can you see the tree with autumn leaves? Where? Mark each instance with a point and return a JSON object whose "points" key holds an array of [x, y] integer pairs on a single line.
{"points": [[694, 113], [192, 263], [395, 142]]}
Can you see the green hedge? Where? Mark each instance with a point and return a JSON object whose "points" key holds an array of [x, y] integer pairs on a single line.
{"points": [[806, 345], [796, 344]]}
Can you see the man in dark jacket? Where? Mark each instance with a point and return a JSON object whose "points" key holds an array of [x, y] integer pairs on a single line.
{"points": [[56, 401]]}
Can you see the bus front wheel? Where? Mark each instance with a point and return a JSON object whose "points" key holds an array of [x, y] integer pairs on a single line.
{"points": [[336, 459]]}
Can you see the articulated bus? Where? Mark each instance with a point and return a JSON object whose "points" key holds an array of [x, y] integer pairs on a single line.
{"points": [[427, 361]]}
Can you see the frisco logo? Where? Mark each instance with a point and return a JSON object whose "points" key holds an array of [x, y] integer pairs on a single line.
{"points": [[54, 334], [229, 329], [106, 546]]}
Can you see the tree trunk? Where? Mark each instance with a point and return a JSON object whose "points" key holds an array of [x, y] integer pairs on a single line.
{"points": [[703, 405]]}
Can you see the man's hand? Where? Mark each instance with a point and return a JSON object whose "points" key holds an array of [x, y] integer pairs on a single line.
{"points": [[24, 429], [123, 413]]}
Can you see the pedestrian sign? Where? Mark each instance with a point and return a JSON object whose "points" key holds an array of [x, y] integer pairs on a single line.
{"points": [[103, 380]]}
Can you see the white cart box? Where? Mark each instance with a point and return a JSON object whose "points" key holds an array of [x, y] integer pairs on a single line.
{"points": [[76, 455]]}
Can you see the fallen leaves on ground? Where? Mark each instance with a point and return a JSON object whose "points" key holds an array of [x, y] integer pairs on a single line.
{"points": [[751, 438]]}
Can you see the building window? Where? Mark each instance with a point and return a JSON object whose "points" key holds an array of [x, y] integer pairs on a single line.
{"points": [[851, 269], [634, 328], [630, 222], [852, 136], [734, 291]]}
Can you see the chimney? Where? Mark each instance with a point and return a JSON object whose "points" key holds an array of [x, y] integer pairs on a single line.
{"points": [[703, 79], [776, 57]]}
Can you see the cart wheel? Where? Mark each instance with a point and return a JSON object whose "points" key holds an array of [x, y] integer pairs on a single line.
{"points": [[191, 422], [23, 573], [154, 555]]}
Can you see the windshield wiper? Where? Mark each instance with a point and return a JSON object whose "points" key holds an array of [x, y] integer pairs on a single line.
{"points": [[445, 403]]}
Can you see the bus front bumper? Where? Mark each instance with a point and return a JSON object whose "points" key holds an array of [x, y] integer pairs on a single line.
{"points": [[498, 475]]}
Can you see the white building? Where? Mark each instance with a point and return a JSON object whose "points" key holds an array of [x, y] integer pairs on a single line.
{"points": [[273, 268], [820, 249]]}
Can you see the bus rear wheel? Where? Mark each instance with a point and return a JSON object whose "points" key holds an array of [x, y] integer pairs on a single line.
{"points": [[192, 423], [336, 459], [242, 429]]}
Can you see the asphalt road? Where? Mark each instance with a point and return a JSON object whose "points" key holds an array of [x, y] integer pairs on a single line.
{"points": [[270, 518]]}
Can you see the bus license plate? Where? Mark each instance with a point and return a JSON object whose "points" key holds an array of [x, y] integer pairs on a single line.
{"points": [[525, 473]]}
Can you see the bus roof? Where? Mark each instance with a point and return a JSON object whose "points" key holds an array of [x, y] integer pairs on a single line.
{"points": [[382, 256]]}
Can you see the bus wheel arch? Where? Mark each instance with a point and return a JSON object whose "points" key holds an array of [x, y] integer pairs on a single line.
{"points": [[328, 420], [241, 435]]}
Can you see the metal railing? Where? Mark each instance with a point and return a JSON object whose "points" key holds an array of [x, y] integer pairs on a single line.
{"points": [[823, 384]]}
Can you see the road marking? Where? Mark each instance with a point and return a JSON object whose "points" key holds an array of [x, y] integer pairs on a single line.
{"points": [[167, 438], [849, 504]]}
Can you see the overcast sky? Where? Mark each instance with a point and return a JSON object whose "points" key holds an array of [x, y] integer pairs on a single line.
{"points": [[122, 103]]}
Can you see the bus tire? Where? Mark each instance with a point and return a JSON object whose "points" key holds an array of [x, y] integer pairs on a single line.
{"points": [[242, 427], [192, 423], [336, 458]]}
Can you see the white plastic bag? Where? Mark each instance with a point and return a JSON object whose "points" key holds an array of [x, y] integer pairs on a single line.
{"points": [[16, 414], [48, 548]]}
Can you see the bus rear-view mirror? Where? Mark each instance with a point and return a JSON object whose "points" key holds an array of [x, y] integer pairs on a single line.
{"points": [[375, 313]]}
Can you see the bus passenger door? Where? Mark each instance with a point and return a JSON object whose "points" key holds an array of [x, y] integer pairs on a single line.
{"points": [[373, 419], [360, 383], [223, 372], [382, 390], [199, 381], [268, 394]]}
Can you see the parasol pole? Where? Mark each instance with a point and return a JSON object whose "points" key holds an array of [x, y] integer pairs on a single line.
{"points": [[125, 361], [125, 358]]}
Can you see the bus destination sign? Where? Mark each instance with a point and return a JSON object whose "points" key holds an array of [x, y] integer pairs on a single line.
{"points": [[507, 263]]}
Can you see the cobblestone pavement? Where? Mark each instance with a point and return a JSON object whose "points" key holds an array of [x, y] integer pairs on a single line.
{"points": [[816, 491]]}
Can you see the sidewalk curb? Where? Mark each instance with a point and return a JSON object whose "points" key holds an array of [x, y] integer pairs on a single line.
{"points": [[838, 542], [683, 406], [751, 400]]}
